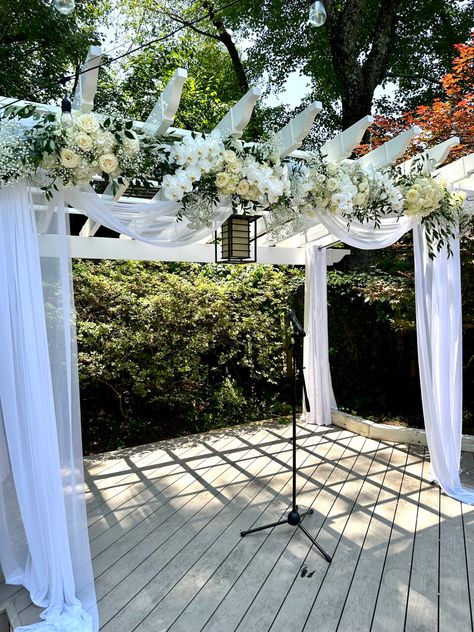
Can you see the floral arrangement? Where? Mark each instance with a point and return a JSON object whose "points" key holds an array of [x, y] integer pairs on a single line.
{"points": [[71, 149], [202, 171]]}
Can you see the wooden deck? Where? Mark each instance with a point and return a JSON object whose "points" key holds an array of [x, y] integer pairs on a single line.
{"points": [[165, 524]]}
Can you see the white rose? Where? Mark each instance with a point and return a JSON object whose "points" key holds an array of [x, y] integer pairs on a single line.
{"points": [[69, 159], [332, 184], [359, 199], [254, 193], [108, 163], [234, 167], [242, 188], [230, 156], [83, 141], [222, 180], [87, 123], [229, 189]]}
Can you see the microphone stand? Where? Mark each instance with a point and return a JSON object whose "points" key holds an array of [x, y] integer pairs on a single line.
{"points": [[294, 517]]}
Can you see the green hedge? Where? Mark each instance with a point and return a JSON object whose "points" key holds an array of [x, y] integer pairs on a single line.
{"points": [[168, 349]]}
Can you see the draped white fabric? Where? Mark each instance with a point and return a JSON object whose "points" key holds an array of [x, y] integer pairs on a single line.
{"points": [[318, 375], [439, 331], [43, 524], [152, 222], [44, 544]]}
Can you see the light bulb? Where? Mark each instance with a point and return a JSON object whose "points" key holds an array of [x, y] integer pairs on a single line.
{"points": [[66, 7], [317, 14]]}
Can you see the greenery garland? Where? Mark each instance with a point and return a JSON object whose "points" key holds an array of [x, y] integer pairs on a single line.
{"points": [[199, 170]]}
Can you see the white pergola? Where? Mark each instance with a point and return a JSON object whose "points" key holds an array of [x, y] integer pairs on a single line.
{"points": [[290, 250], [39, 411]]}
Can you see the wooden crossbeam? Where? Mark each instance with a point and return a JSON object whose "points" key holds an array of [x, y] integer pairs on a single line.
{"points": [[162, 116], [238, 117], [292, 135], [344, 143], [89, 228], [458, 170], [432, 157], [390, 151], [84, 94]]}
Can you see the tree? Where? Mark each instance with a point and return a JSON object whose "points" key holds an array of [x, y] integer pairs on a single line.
{"points": [[208, 92], [449, 115], [38, 46], [365, 44]]}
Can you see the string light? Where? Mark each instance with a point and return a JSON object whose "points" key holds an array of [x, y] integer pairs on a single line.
{"points": [[65, 7], [317, 13], [134, 50]]}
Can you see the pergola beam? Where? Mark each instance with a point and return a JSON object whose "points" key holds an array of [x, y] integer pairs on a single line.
{"points": [[293, 134], [389, 152], [238, 117], [458, 170], [162, 116], [344, 143], [83, 99], [129, 249], [432, 157]]}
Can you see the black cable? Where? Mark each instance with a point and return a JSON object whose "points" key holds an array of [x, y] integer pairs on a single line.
{"points": [[67, 78]]}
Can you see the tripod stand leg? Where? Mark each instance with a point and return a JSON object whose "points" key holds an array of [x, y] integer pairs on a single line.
{"points": [[327, 557], [265, 526], [306, 513]]}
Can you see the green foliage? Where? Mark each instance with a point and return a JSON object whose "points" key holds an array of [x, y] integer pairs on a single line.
{"points": [[168, 349], [38, 46], [372, 332], [208, 93]]}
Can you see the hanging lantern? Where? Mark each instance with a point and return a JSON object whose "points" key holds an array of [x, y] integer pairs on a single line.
{"points": [[237, 239]]}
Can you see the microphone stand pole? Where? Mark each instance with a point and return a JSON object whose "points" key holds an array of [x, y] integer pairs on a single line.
{"points": [[294, 517]]}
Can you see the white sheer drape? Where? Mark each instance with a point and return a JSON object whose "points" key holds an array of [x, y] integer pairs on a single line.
{"points": [[153, 222], [439, 336], [318, 374], [43, 525], [44, 544], [439, 331]]}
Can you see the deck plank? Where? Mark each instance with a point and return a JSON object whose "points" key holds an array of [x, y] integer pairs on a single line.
{"points": [[389, 614], [422, 605], [453, 581], [334, 471], [165, 521], [212, 587], [155, 573], [468, 524], [368, 522], [300, 598]]}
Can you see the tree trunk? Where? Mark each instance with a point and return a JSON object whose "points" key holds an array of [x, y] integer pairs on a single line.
{"points": [[359, 78], [225, 37]]}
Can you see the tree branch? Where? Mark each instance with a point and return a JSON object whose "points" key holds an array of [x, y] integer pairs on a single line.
{"points": [[375, 66], [414, 76], [226, 39], [177, 18]]}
